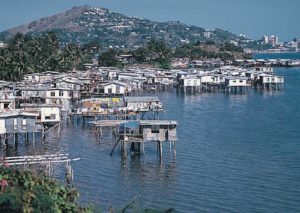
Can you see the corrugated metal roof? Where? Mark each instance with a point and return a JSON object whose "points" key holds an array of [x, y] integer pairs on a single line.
{"points": [[141, 99]]}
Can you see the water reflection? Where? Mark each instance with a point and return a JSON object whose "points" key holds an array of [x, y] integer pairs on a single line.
{"points": [[148, 168], [234, 152], [271, 92]]}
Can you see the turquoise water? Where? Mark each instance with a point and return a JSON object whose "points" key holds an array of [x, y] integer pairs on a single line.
{"points": [[236, 153], [277, 56]]}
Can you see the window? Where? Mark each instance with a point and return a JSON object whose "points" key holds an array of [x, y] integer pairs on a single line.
{"points": [[24, 122], [15, 123], [52, 94], [241, 81], [118, 90], [61, 93], [50, 117], [234, 81], [6, 106], [155, 129]]}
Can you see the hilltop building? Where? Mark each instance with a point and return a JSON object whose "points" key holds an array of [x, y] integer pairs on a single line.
{"points": [[273, 40], [2, 44], [265, 39], [207, 34]]}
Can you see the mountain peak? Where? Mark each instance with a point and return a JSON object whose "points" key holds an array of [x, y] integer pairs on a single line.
{"points": [[82, 24]]}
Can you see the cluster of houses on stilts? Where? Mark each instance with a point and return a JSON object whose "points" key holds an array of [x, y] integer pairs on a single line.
{"points": [[228, 79], [115, 99], [208, 63]]}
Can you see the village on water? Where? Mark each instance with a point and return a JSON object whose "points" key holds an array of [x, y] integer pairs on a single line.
{"points": [[122, 101]]}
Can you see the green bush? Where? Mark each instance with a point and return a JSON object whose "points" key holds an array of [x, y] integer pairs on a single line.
{"points": [[28, 192], [33, 193]]}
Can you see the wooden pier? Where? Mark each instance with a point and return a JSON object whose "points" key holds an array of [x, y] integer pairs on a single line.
{"points": [[134, 134], [47, 160]]}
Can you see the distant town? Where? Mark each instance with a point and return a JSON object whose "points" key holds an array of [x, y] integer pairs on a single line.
{"points": [[103, 75], [85, 24]]}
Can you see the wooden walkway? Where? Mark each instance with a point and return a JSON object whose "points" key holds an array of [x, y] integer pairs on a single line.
{"points": [[37, 159]]}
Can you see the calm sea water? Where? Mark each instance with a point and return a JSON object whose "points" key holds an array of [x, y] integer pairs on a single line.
{"points": [[236, 153], [277, 56]]}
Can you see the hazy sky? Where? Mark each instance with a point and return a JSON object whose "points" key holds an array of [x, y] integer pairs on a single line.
{"points": [[251, 17]]}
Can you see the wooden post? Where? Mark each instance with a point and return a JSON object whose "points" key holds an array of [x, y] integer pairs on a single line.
{"points": [[70, 118], [6, 139], [101, 133], [174, 148], [43, 133], [98, 132], [125, 149], [58, 130], [33, 137], [3, 141], [16, 139], [160, 149], [27, 136]]}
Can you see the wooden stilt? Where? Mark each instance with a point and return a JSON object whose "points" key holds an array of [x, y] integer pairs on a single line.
{"points": [[43, 133], [3, 141], [58, 130], [125, 149], [33, 137], [6, 139], [143, 147], [174, 148], [16, 139], [160, 149]]}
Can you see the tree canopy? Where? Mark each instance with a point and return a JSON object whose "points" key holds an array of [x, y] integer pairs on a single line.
{"points": [[27, 192], [26, 54]]}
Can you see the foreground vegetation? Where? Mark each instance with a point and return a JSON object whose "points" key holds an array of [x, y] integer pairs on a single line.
{"points": [[23, 191]]}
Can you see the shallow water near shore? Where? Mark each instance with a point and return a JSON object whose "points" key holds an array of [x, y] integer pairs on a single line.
{"points": [[234, 153]]}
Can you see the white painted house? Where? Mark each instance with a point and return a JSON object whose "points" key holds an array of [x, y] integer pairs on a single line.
{"points": [[191, 82], [265, 79], [116, 88], [234, 81], [127, 76], [70, 83], [60, 96], [264, 69], [38, 77], [46, 112], [252, 74], [112, 74], [50, 113], [207, 79]]}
